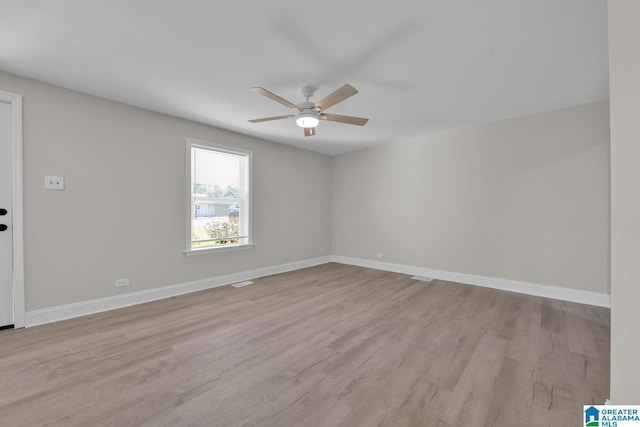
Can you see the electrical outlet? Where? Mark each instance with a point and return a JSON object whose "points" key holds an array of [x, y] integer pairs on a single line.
{"points": [[379, 255], [120, 283], [54, 182], [321, 250]]}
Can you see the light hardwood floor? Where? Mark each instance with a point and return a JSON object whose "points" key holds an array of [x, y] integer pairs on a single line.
{"points": [[332, 345]]}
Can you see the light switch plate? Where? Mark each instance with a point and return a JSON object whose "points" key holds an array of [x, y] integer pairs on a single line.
{"points": [[54, 182]]}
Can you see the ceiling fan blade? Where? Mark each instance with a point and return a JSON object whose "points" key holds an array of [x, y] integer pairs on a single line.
{"points": [[338, 95], [273, 96], [309, 131], [345, 119], [267, 119]]}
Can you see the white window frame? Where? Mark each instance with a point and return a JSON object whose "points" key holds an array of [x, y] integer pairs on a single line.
{"points": [[245, 201]]}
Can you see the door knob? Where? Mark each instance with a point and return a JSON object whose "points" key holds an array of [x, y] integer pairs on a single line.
{"points": [[3, 227], [3, 212]]}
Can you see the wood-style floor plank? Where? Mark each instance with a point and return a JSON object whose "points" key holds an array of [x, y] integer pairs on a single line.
{"points": [[332, 345]]}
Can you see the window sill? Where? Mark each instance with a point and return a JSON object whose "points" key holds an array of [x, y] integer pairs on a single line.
{"points": [[228, 248]]}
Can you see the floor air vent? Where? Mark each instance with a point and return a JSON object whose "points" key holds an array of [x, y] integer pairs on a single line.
{"points": [[241, 284], [423, 278]]}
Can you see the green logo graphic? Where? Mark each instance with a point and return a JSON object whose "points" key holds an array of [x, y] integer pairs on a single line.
{"points": [[592, 417]]}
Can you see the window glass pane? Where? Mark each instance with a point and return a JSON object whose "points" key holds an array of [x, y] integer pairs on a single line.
{"points": [[219, 202]]}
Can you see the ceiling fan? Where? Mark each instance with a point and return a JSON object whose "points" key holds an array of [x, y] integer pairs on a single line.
{"points": [[308, 115]]}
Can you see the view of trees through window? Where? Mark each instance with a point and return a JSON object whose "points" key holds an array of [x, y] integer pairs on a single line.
{"points": [[217, 191], [219, 197]]}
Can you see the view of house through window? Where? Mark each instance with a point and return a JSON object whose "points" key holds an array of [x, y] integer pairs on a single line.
{"points": [[219, 196]]}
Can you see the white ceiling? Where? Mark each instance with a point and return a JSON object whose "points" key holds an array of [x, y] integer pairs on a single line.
{"points": [[421, 66]]}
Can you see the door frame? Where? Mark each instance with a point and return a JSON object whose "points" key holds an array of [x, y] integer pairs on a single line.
{"points": [[17, 205]]}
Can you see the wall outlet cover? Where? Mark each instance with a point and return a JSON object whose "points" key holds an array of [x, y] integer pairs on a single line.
{"points": [[122, 282], [54, 182]]}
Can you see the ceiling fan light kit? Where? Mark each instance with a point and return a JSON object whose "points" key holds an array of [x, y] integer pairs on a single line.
{"points": [[307, 120], [308, 114]]}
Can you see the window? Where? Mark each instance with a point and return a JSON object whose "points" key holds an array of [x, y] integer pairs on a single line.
{"points": [[219, 203]]}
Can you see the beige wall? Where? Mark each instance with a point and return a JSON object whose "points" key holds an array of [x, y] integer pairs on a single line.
{"points": [[525, 199], [624, 75], [122, 212]]}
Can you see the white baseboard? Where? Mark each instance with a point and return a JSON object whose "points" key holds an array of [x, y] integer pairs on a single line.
{"points": [[68, 311], [565, 294]]}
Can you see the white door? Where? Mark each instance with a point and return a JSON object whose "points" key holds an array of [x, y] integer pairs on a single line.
{"points": [[6, 233]]}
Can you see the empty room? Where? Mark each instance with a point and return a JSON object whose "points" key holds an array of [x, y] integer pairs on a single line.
{"points": [[330, 214]]}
